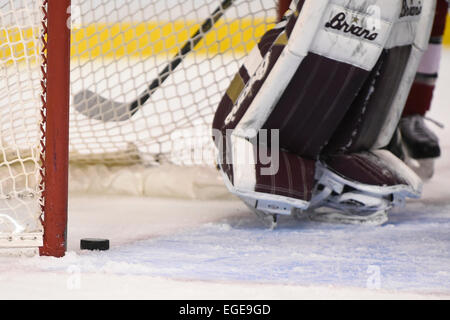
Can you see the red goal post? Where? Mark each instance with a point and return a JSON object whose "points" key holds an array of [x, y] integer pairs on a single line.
{"points": [[55, 112]]}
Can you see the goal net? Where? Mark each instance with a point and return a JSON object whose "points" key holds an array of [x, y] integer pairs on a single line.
{"points": [[118, 49]]}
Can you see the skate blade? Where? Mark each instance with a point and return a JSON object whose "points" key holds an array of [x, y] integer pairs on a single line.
{"points": [[269, 220], [375, 219]]}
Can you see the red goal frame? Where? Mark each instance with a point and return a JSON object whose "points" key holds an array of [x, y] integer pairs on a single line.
{"points": [[55, 55]]}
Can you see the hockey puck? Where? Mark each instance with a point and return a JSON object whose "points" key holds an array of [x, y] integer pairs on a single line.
{"points": [[94, 244]]}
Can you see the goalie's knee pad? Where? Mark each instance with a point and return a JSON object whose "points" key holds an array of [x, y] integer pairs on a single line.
{"points": [[329, 58]]}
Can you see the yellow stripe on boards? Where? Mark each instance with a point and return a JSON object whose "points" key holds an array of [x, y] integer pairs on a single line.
{"points": [[143, 39], [149, 39], [18, 45], [447, 32], [139, 39]]}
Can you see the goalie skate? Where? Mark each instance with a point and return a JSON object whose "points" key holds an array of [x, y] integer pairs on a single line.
{"points": [[420, 144], [352, 207], [343, 199]]}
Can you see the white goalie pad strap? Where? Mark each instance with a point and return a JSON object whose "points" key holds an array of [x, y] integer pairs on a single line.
{"points": [[355, 32], [306, 27], [422, 29], [244, 171]]}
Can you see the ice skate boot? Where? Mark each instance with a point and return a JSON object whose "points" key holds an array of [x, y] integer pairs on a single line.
{"points": [[361, 188], [421, 145]]}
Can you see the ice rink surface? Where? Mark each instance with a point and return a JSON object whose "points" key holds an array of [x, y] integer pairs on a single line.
{"points": [[164, 248]]}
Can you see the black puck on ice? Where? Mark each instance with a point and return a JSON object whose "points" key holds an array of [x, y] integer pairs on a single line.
{"points": [[94, 244]]}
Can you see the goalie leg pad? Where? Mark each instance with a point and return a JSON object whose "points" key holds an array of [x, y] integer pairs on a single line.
{"points": [[373, 117], [305, 74], [275, 188], [362, 123]]}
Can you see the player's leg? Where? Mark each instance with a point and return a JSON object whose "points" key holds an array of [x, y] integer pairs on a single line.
{"points": [[283, 6], [421, 144], [315, 70]]}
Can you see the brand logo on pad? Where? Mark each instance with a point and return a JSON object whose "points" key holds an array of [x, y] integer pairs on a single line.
{"points": [[339, 22], [411, 10]]}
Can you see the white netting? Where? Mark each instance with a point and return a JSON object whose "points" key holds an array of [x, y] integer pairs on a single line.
{"points": [[118, 48], [20, 104]]}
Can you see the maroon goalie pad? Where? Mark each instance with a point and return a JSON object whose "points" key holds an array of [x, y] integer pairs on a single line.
{"points": [[365, 168], [347, 84], [313, 103], [363, 121], [252, 170]]}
